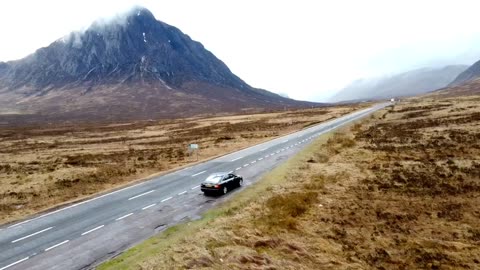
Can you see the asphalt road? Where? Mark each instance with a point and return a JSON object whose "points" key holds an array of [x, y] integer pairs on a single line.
{"points": [[81, 235]]}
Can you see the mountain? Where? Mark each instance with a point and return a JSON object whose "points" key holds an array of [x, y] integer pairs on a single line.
{"points": [[468, 88], [130, 67], [469, 74], [410, 83]]}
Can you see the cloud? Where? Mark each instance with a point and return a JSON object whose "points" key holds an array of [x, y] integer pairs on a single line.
{"points": [[307, 49]]}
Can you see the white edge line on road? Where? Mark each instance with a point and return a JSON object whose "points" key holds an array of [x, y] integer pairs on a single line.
{"points": [[57, 245], [236, 159], [357, 115], [164, 200], [122, 217], [198, 173], [263, 149], [17, 262], [195, 187], [181, 193], [30, 235], [140, 195], [74, 205], [285, 141], [92, 230], [20, 223], [148, 206]]}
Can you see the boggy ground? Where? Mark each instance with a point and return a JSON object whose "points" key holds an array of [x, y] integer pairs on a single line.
{"points": [[41, 167], [400, 190]]}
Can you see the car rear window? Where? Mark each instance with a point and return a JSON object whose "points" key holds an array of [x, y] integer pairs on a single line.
{"points": [[214, 179]]}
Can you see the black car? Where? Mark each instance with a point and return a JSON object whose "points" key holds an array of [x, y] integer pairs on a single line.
{"points": [[221, 183]]}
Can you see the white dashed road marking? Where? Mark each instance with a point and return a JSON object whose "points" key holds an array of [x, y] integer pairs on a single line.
{"points": [[164, 200], [199, 173], [245, 165], [195, 187], [148, 206], [17, 262], [57, 245], [140, 195], [30, 235], [92, 230], [122, 217], [181, 193]]}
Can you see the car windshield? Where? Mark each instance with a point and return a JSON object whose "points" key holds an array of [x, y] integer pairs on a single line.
{"points": [[214, 178]]}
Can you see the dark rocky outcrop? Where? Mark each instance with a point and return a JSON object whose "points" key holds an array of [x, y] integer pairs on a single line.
{"points": [[132, 66]]}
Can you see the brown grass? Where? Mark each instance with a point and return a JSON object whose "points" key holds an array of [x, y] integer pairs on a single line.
{"points": [[403, 195], [41, 167]]}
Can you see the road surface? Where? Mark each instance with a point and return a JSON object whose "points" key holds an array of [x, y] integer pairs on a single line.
{"points": [[82, 235]]}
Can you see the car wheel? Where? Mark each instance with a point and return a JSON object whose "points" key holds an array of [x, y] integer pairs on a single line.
{"points": [[225, 190], [240, 182]]}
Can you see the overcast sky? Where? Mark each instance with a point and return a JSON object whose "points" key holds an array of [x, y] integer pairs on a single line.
{"points": [[306, 49]]}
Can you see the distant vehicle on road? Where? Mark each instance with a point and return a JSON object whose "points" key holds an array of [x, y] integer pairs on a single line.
{"points": [[221, 183]]}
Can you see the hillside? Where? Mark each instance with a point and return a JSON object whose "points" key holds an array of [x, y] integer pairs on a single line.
{"points": [[129, 67], [469, 74], [471, 87], [410, 83]]}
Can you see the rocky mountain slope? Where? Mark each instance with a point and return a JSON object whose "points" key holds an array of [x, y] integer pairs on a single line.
{"points": [[469, 74], [410, 83], [130, 67]]}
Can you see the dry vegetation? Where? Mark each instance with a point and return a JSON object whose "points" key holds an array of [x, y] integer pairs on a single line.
{"points": [[400, 191], [41, 167]]}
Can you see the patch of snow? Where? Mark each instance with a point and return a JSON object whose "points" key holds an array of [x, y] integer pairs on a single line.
{"points": [[169, 41], [138, 13], [164, 84], [144, 38]]}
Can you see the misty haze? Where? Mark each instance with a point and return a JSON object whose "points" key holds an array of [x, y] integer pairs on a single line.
{"points": [[239, 135]]}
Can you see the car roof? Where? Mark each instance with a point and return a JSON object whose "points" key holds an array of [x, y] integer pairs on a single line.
{"points": [[219, 174]]}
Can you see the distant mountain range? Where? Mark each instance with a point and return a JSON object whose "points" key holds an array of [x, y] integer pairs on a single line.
{"points": [[410, 83], [129, 68]]}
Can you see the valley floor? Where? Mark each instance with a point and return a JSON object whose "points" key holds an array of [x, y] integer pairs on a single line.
{"points": [[398, 190], [42, 167]]}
